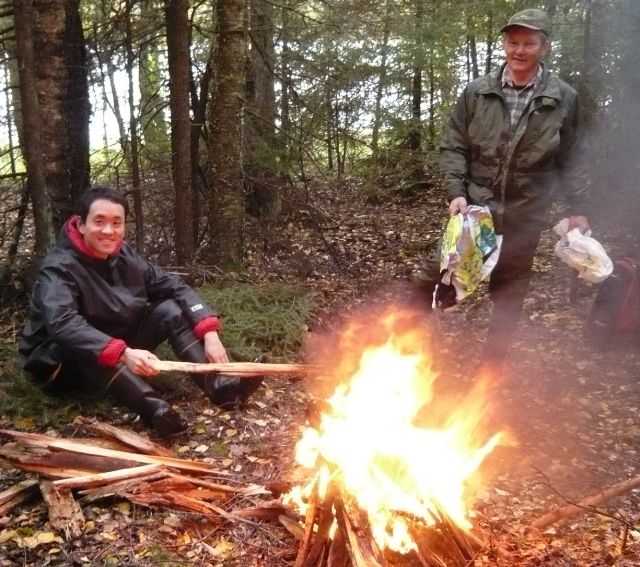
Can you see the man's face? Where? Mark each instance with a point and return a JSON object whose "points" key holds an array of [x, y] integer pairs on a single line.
{"points": [[524, 48], [103, 230]]}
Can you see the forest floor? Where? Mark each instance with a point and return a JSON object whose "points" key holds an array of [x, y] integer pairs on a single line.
{"points": [[572, 409]]}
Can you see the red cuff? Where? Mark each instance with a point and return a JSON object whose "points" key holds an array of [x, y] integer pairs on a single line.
{"points": [[207, 325], [110, 355]]}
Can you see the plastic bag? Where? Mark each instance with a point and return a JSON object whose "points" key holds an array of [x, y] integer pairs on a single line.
{"points": [[470, 250], [582, 252]]}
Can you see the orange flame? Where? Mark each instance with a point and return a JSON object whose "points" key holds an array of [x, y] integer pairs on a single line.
{"points": [[370, 441]]}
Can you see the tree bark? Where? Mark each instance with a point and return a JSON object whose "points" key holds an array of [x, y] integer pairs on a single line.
{"points": [[176, 15], [63, 96], [226, 182], [32, 128], [133, 131], [382, 77]]}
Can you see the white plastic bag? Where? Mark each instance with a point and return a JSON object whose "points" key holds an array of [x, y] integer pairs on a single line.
{"points": [[582, 252]]}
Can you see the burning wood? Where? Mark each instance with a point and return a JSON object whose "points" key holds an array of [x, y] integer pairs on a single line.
{"points": [[384, 486], [151, 478]]}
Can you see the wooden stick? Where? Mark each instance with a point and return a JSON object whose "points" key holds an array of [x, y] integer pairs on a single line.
{"points": [[586, 505], [129, 438], [98, 479], [241, 369]]}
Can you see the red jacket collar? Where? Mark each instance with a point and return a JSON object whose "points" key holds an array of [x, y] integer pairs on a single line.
{"points": [[77, 240]]}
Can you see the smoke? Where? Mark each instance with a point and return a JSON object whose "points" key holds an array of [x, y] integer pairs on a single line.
{"points": [[614, 136]]}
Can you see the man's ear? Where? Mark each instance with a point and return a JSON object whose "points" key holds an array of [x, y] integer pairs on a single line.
{"points": [[81, 226]]}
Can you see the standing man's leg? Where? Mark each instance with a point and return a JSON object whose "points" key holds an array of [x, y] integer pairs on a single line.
{"points": [[508, 288]]}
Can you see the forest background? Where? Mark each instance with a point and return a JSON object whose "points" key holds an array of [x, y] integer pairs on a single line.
{"points": [[295, 143], [244, 107]]}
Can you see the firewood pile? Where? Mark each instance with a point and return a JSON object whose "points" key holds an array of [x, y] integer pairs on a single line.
{"points": [[117, 462], [350, 542]]}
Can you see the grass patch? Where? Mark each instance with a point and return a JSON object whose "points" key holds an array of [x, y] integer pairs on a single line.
{"points": [[269, 319]]}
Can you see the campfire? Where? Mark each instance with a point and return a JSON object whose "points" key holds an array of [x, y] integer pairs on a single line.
{"points": [[386, 469]]}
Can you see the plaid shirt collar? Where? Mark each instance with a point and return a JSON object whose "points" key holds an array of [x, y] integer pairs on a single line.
{"points": [[507, 81]]}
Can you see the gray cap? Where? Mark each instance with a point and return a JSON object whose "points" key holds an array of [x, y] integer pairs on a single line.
{"points": [[531, 18]]}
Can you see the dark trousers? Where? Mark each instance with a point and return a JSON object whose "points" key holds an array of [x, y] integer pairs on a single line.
{"points": [[508, 286]]}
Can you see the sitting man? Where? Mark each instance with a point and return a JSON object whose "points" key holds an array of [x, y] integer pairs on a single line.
{"points": [[98, 309]]}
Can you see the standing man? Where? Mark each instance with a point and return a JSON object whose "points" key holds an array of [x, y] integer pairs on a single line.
{"points": [[512, 144], [98, 309]]}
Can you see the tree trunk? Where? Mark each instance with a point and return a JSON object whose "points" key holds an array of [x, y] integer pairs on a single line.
{"points": [[226, 182], [133, 132], [176, 13], [63, 96], [471, 41], [263, 195], [489, 60], [152, 122], [32, 128], [284, 140], [382, 76], [415, 136]]}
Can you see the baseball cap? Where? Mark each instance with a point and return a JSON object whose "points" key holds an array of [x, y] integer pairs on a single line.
{"points": [[531, 18]]}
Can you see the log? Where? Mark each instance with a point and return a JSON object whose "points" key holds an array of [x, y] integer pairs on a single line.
{"points": [[64, 513], [587, 504], [129, 438], [241, 369]]}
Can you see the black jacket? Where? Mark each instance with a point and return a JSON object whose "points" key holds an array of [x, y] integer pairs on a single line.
{"points": [[80, 305]]}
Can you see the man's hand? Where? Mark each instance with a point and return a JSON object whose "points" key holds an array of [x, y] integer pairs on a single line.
{"points": [[458, 205], [213, 348], [579, 222], [137, 360]]}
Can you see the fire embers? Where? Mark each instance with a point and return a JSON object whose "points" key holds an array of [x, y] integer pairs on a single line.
{"points": [[377, 475]]}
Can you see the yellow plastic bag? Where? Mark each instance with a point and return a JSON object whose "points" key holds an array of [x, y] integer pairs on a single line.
{"points": [[470, 250]]}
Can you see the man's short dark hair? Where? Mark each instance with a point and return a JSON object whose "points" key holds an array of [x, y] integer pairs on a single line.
{"points": [[100, 192]]}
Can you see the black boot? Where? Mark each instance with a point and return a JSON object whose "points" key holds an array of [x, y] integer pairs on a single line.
{"points": [[132, 391], [223, 390]]}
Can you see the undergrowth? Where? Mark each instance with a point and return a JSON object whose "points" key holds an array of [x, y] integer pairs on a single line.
{"points": [[267, 319]]}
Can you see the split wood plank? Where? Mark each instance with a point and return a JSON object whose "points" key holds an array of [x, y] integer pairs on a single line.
{"points": [[50, 472], [65, 514], [129, 438], [23, 453], [100, 479], [360, 550], [241, 369], [17, 494]]}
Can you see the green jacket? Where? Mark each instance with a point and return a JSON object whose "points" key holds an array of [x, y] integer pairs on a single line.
{"points": [[518, 178]]}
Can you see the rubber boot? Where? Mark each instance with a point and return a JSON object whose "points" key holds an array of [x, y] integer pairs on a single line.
{"points": [[223, 390], [133, 392]]}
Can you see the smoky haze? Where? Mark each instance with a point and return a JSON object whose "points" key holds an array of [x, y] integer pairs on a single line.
{"points": [[613, 78]]}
